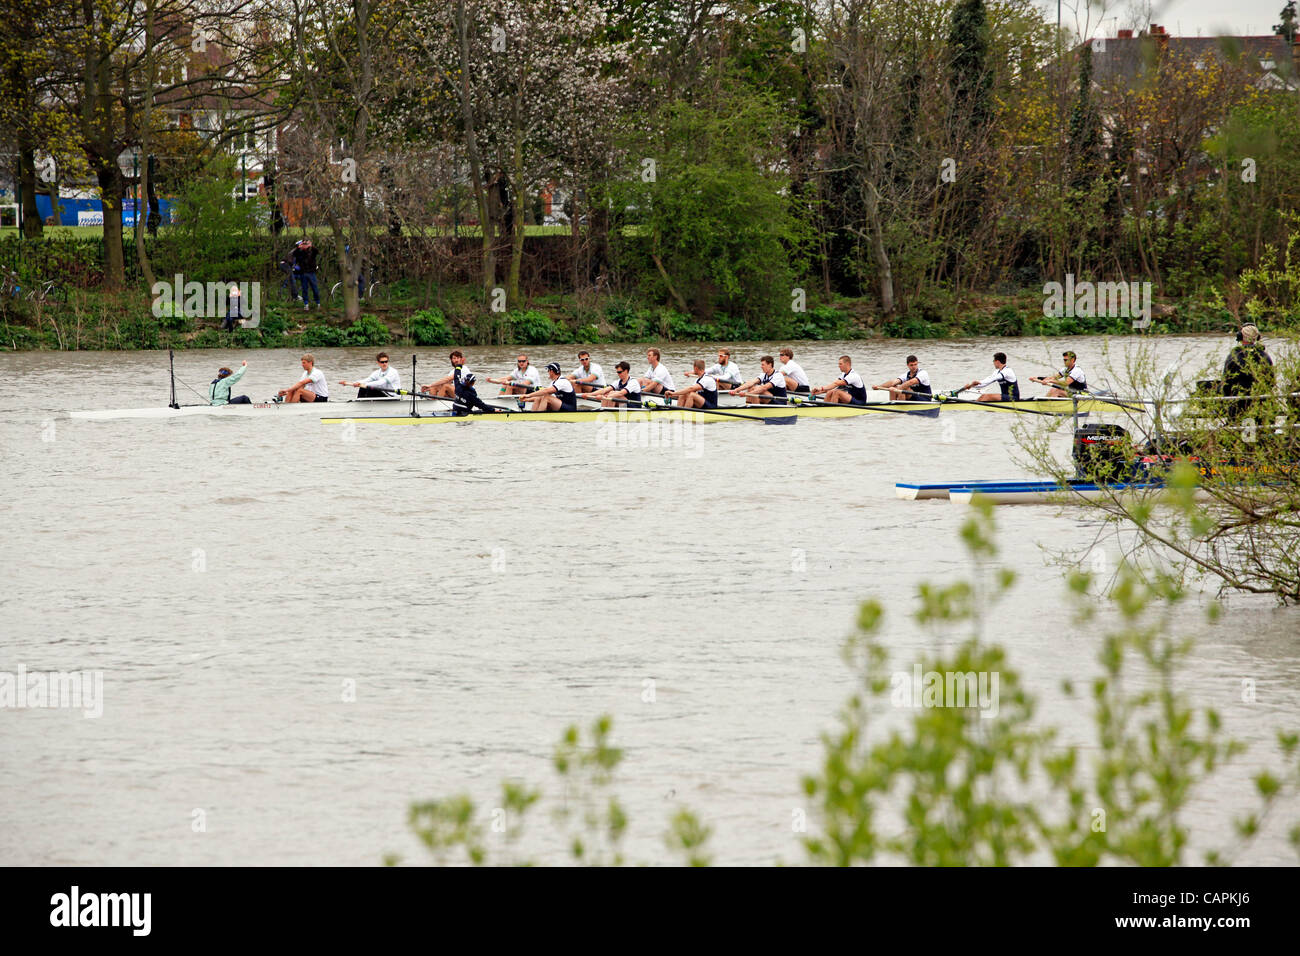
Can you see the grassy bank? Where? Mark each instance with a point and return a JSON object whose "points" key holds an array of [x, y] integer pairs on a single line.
{"points": [[425, 315]]}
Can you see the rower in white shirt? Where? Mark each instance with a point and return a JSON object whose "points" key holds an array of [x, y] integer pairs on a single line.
{"points": [[1069, 379], [702, 394], [1003, 377], [796, 380], [382, 383], [447, 386], [588, 376], [767, 389], [311, 388], [623, 392], [848, 389], [726, 372], [912, 386], [657, 379], [523, 379]]}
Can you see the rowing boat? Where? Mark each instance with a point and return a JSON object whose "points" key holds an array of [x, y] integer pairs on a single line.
{"points": [[253, 410], [1003, 492], [669, 413]]}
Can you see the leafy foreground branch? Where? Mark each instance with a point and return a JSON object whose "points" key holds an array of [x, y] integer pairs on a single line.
{"points": [[967, 777], [1219, 463]]}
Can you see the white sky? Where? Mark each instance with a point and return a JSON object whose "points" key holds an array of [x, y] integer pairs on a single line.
{"points": [[1178, 17]]}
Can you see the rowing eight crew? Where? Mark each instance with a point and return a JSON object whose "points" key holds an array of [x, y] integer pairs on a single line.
{"points": [[776, 384]]}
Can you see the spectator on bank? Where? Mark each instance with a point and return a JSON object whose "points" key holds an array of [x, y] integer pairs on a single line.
{"points": [[304, 266], [233, 314]]}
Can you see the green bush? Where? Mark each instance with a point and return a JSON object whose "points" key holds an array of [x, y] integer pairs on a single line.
{"points": [[823, 322], [138, 332], [1007, 321], [272, 328], [911, 327], [19, 338], [322, 335], [368, 330], [175, 320], [731, 328], [429, 327], [684, 328], [629, 323], [208, 338], [535, 328]]}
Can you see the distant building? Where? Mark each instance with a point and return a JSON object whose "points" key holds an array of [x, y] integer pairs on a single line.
{"points": [[1120, 62]]}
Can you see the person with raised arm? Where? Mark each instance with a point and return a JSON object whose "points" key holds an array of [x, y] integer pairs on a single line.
{"points": [[219, 390]]}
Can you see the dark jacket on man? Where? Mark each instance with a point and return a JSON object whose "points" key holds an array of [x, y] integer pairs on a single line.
{"points": [[304, 260], [1248, 369]]}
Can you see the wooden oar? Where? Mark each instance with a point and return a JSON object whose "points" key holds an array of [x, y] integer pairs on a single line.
{"points": [[773, 420], [425, 396], [801, 398], [950, 400]]}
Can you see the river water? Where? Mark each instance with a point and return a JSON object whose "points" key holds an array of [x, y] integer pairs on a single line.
{"points": [[303, 628]]}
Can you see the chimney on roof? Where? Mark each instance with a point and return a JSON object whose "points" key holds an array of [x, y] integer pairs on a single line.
{"points": [[1125, 35]]}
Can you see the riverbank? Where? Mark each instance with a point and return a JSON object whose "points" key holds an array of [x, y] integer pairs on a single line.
{"points": [[427, 315]]}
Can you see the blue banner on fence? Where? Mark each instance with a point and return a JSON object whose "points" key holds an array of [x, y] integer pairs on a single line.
{"points": [[90, 212]]}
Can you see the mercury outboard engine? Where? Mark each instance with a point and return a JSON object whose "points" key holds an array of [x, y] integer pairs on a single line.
{"points": [[1103, 453]]}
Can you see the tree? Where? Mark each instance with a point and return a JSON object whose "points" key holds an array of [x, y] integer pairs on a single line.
{"points": [[971, 110], [1287, 28], [706, 205], [27, 114], [98, 73]]}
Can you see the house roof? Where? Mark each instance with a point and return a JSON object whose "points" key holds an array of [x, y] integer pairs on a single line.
{"points": [[1122, 61]]}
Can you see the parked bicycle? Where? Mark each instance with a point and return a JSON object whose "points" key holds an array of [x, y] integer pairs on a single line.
{"points": [[363, 291], [10, 285], [289, 284], [47, 290]]}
